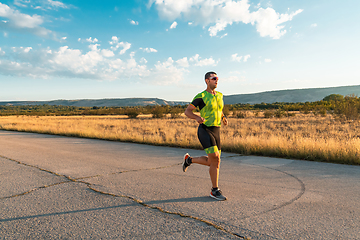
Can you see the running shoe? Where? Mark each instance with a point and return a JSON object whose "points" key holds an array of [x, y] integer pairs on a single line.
{"points": [[217, 195], [187, 162]]}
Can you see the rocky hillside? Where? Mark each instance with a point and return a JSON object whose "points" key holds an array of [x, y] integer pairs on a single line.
{"points": [[296, 95]]}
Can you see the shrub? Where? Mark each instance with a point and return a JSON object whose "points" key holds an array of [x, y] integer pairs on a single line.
{"points": [[334, 97], [322, 112], [158, 112], [348, 108], [132, 113], [292, 114], [305, 109], [175, 112], [268, 114], [240, 114], [279, 113]]}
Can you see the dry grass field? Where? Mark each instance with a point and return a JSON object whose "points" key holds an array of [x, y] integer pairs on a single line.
{"points": [[302, 136]]}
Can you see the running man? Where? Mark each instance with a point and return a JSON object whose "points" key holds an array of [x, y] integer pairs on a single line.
{"points": [[210, 103]]}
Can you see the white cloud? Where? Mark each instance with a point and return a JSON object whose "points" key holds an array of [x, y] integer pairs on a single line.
{"points": [[131, 63], [21, 49], [224, 35], [116, 44], [235, 57], [246, 57], [96, 63], [219, 26], [17, 20], [92, 40], [18, 3], [268, 22], [221, 13], [183, 62], [173, 25], [107, 53], [126, 46], [115, 39], [134, 22], [166, 73], [313, 25], [203, 62], [66, 62], [73, 60], [148, 50], [56, 4], [42, 4], [143, 60], [267, 60], [27, 49], [94, 47]]}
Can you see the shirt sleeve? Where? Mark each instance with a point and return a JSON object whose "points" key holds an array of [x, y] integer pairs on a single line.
{"points": [[198, 102]]}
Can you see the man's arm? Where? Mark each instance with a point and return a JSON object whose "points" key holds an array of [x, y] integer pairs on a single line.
{"points": [[189, 113], [224, 119]]}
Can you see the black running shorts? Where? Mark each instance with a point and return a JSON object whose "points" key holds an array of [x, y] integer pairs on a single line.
{"points": [[209, 138]]}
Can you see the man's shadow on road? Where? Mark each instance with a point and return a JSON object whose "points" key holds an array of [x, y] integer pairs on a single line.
{"points": [[193, 199], [179, 200]]}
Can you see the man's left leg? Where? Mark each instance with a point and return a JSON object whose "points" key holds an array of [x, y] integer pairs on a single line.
{"points": [[214, 167]]}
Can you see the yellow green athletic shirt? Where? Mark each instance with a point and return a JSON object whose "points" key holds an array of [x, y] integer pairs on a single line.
{"points": [[210, 107]]}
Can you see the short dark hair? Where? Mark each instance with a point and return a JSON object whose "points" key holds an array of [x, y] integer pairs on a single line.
{"points": [[208, 74]]}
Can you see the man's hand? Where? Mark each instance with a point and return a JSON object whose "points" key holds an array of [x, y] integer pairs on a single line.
{"points": [[225, 121], [200, 120]]}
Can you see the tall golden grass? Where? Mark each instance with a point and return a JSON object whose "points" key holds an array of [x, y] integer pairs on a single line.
{"points": [[300, 137]]}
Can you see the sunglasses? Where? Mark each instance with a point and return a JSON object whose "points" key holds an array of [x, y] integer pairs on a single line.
{"points": [[214, 78]]}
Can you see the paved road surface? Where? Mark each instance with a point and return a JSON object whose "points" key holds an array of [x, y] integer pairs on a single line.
{"points": [[56, 187]]}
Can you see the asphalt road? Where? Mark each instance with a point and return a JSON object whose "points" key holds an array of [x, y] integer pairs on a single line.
{"points": [[55, 187]]}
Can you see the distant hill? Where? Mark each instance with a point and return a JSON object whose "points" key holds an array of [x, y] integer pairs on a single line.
{"points": [[116, 102], [295, 95]]}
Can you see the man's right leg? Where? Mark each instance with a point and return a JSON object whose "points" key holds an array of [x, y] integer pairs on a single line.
{"points": [[203, 160]]}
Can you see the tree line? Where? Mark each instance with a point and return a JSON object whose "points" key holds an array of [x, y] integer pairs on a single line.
{"points": [[347, 107]]}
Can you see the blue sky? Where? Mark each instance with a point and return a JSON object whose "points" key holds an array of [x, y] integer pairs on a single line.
{"points": [[162, 48]]}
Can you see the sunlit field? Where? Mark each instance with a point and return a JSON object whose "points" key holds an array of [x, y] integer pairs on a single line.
{"points": [[303, 136]]}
